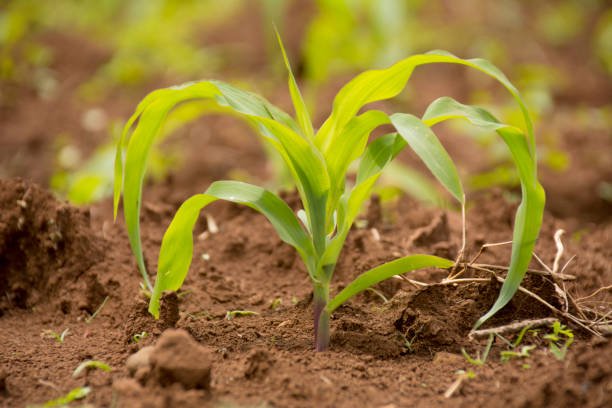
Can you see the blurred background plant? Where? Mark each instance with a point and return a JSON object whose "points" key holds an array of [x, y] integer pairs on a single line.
{"points": [[147, 38], [549, 48]]}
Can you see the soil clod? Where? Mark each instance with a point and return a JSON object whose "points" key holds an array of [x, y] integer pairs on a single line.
{"points": [[178, 358]]}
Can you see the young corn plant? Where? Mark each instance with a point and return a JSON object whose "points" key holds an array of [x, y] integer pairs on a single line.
{"points": [[318, 161]]}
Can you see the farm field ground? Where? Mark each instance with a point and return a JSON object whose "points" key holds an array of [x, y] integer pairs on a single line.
{"points": [[68, 269]]}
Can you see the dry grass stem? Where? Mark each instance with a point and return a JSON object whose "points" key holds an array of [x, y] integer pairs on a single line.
{"points": [[511, 328]]}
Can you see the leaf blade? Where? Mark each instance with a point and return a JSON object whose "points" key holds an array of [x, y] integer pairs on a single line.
{"points": [[176, 251], [426, 145], [307, 166], [301, 111], [528, 219], [385, 271]]}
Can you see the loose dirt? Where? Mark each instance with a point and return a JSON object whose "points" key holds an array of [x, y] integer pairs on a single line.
{"points": [[404, 351], [70, 270]]}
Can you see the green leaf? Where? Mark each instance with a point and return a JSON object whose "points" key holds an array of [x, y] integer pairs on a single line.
{"points": [[376, 157], [279, 129], [301, 111], [426, 145], [377, 85], [73, 395], [349, 146], [378, 154], [177, 245], [386, 271], [123, 141], [529, 215]]}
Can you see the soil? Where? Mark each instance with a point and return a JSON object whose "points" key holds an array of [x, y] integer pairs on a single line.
{"points": [[56, 278], [67, 268]]}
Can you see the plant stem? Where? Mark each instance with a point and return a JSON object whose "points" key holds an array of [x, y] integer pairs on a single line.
{"points": [[321, 317]]}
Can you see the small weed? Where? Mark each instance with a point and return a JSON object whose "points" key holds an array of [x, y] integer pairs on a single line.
{"points": [[479, 360], [276, 303], [559, 340], [90, 365], [409, 342], [522, 353], [231, 314], [63, 401], [139, 336], [58, 337]]}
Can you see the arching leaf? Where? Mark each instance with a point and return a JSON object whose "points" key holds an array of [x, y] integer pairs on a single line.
{"points": [[529, 214], [386, 271], [306, 164], [426, 145], [176, 250]]}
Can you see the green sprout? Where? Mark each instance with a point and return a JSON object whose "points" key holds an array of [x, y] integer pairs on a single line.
{"points": [[276, 303], [522, 353], [559, 340], [65, 400], [232, 314], [58, 337], [319, 162], [139, 337], [480, 360], [89, 365]]}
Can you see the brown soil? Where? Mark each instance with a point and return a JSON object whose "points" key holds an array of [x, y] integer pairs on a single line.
{"points": [[71, 268], [268, 358]]}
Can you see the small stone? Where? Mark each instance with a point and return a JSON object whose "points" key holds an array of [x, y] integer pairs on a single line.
{"points": [[140, 359], [178, 358]]}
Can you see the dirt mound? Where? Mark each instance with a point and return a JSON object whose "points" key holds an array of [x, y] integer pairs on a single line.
{"points": [[439, 317], [176, 363], [45, 244]]}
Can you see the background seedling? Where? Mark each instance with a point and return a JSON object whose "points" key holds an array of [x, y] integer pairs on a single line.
{"points": [[276, 303], [139, 336], [58, 337], [480, 360], [559, 340], [230, 315], [319, 163], [522, 353], [65, 400], [89, 365]]}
